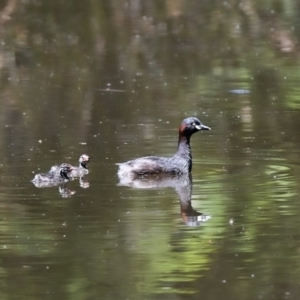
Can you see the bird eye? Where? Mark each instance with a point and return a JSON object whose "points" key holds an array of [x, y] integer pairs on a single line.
{"points": [[197, 126]]}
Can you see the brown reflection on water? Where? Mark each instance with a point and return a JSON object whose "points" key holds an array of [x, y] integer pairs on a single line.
{"points": [[113, 79]]}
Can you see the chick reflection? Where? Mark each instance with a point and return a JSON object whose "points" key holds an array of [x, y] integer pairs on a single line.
{"points": [[65, 192], [62, 187], [183, 186], [51, 179]]}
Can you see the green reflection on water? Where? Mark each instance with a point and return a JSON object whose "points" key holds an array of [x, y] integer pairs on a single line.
{"points": [[175, 255], [79, 76]]}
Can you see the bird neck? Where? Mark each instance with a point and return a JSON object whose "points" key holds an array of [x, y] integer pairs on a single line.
{"points": [[82, 165], [184, 149]]}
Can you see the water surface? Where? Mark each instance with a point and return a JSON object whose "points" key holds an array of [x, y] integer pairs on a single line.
{"points": [[114, 79]]}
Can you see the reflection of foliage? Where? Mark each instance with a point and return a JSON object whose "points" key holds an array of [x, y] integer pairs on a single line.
{"points": [[159, 60]]}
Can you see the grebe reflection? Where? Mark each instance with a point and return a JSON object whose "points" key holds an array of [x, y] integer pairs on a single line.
{"points": [[182, 185]]}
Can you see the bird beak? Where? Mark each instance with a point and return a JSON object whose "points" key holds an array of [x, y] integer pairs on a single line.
{"points": [[203, 127]]}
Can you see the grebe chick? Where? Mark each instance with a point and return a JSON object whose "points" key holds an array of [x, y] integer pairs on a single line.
{"points": [[180, 163], [63, 175], [79, 171]]}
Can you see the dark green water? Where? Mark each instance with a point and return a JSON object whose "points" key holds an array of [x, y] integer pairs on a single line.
{"points": [[114, 79]]}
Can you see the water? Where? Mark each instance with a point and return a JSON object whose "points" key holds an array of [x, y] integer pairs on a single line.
{"points": [[114, 79]]}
